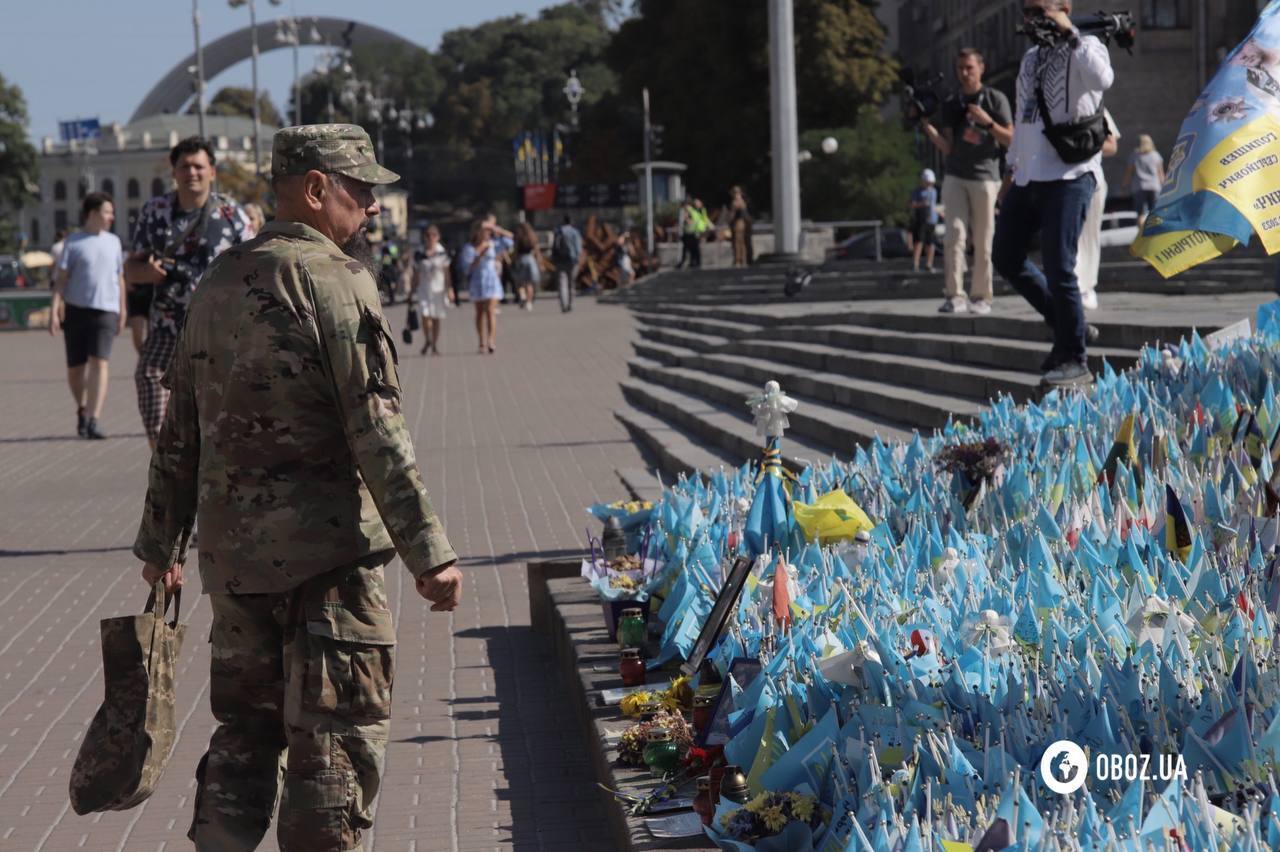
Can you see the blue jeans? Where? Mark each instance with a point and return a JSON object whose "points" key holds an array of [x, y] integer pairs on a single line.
{"points": [[1056, 209]]}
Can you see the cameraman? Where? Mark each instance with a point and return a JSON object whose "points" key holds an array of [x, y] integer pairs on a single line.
{"points": [[178, 236], [1067, 72], [976, 125]]}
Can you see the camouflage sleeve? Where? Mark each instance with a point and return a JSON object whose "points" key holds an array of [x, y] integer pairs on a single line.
{"points": [[170, 509], [357, 345]]}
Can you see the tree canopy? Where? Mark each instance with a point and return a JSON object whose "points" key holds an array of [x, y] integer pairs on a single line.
{"points": [[18, 170], [706, 64], [238, 100]]}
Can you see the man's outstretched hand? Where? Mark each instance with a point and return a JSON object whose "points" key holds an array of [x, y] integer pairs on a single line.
{"points": [[443, 589]]}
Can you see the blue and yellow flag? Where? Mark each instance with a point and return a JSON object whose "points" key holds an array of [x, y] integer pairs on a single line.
{"points": [[1222, 178]]}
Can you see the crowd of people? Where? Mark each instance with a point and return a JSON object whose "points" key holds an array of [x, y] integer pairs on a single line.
{"points": [[1027, 173], [101, 287]]}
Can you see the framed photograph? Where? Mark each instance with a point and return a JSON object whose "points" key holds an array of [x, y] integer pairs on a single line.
{"points": [[743, 671], [719, 614]]}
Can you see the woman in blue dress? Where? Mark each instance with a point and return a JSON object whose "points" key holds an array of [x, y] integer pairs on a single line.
{"points": [[480, 258]]}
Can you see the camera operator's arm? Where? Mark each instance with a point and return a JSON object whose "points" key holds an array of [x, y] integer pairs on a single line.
{"points": [[141, 270], [1003, 133], [941, 140]]}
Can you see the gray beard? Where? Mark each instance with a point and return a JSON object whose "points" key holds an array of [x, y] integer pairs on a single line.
{"points": [[358, 249]]}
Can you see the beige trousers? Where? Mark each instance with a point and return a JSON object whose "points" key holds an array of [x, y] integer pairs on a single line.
{"points": [[971, 214], [1089, 249]]}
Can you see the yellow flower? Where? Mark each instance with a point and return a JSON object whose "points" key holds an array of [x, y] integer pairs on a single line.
{"points": [[631, 704], [756, 804], [773, 818], [802, 807]]}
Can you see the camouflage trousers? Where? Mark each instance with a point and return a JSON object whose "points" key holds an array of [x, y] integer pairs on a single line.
{"points": [[301, 689]]}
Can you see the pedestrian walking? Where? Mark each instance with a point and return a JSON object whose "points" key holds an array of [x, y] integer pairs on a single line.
{"points": [[1144, 176], [739, 222], [286, 439], [59, 241], [256, 219], [1059, 84], [566, 252], [1089, 252], [480, 258], [691, 223], [88, 307], [977, 125], [430, 288], [529, 264], [178, 236], [924, 220]]}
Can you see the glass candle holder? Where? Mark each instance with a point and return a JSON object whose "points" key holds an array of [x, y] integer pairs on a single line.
{"points": [[631, 629], [661, 754], [631, 667]]}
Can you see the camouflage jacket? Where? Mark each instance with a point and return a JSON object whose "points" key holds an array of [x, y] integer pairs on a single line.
{"points": [[284, 425]]}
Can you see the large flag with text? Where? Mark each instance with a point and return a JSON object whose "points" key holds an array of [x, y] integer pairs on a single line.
{"points": [[1222, 178]]}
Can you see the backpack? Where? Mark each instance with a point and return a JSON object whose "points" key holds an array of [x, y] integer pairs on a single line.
{"points": [[561, 253]]}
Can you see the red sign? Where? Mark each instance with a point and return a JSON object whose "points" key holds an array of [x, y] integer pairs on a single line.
{"points": [[539, 196]]}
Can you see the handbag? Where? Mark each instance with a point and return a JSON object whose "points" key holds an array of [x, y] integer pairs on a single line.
{"points": [[1075, 141], [128, 742]]}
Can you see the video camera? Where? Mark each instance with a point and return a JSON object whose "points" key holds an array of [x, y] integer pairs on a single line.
{"points": [[920, 97], [1104, 25]]}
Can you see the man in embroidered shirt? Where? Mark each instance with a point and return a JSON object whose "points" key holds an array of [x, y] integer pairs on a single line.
{"points": [[1049, 195], [178, 236], [285, 420]]}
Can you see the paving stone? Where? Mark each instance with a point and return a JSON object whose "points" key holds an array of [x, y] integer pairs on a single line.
{"points": [[513, 446]]}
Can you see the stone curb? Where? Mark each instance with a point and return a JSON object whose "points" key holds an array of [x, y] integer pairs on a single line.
{"points": [[586, 660]]}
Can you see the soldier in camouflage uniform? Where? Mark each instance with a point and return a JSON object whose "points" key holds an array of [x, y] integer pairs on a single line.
{"points": [[284, 436]]}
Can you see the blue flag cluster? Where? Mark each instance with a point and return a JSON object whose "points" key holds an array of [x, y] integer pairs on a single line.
{"points": [[1113, 583]]}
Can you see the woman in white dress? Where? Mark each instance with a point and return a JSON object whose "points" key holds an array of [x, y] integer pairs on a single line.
{"points": [[430, 288]]}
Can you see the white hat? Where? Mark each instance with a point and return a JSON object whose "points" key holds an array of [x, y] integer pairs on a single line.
{"points": [[928, 176]]}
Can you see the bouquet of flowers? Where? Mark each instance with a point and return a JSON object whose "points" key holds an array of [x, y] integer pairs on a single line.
{"points": [[772, 820], [631, 746]]}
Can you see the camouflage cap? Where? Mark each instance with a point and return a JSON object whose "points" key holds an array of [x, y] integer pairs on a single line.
{"points": [[343, 149]]}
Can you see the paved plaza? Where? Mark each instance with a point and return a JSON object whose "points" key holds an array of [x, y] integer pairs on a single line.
{"points": [[485, 751]]}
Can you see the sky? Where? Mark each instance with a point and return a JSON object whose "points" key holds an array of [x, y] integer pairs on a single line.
{"points": [[87, 58]]}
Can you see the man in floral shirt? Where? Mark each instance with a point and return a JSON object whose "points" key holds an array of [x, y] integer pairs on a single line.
{"points": [[178, 236]]}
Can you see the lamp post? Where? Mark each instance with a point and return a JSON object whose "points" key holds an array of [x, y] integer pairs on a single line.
{"points": [[289, 31], [782, 102], [253, 35], [198, 68]]}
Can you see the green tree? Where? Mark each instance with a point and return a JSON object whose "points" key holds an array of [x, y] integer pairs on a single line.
{"points": [[238, 100], [18, 166], [706, 65], [870, 176]]}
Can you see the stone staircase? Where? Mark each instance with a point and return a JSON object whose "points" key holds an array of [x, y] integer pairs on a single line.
{"points": [[860, 367]]}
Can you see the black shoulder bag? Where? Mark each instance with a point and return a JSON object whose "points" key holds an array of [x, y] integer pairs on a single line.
{"points": [[1075, 141]]}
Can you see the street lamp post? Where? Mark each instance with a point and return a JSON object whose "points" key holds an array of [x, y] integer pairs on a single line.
{"points": [[199, 67], [648, 176], [253, 36], [289, 31], [782, 102]]}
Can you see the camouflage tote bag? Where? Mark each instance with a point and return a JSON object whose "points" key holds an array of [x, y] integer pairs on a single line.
{"points": [[128, 742]]}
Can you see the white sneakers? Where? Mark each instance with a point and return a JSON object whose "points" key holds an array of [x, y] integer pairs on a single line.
{"points": [[961, 305]]}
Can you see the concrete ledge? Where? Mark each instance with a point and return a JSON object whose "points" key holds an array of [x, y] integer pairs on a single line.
{"points": [[587, 660], [539, 573]]}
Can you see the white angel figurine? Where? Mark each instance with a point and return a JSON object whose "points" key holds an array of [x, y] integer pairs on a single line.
{"points": [[770, 410]]}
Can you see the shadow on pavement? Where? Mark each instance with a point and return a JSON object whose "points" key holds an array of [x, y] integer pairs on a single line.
{"points": [[520, 556], [552, 791], [9, 554]]}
